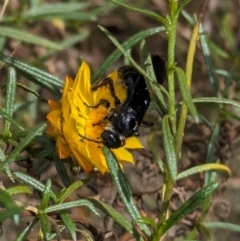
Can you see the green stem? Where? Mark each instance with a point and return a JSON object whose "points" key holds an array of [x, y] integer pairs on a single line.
{"points": [[171, 61], [165, 204]]}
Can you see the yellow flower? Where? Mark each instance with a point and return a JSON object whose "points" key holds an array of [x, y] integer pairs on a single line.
{"points": [[72, 118]]}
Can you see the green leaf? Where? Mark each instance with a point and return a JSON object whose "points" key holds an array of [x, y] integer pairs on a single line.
{"points": [[10, 208], [61, 170], [10, 98], [23, 36], [188, 206], [45, 140], [154, 147], [122, 221], [182, 80], [203, 168], [147, 13], [168, 143], [24, 142], [123, 188], [127, 45], [217, 101], [66, 43], [147, 221], [208, 61], [69, 224], [10, 119], [72, 204], [66, 192], [23, 236], [213, 143], [78, 16], [46, 195], [33, 183], [153, 86], [182, 5], [33, 92], [222, 225], [215, 48], [54, 235], [45, 225], [6, 169], [53, 9], [42, 152], [18, 189], [36, 75]]}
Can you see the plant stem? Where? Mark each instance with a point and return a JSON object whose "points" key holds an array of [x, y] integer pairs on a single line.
{"points": [[171, 31], [164, 209]]}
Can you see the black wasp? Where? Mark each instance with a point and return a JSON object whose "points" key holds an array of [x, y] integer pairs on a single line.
{"points": [[125, 119]]}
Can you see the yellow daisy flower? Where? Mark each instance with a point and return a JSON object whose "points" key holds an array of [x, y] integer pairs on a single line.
{"points": [[73, 118]]}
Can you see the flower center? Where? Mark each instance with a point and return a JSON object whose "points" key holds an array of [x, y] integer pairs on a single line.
{"points": [[96, 122]]}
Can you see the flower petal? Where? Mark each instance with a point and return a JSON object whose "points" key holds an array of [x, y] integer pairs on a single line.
{"points": [[123, 155], [133, 143], [63, 148], [97, 157], [54, 118], [81, 160], [54, 105], [82, 84]]}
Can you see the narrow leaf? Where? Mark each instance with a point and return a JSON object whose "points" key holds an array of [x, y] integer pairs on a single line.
{"points": [[6, 169], [12, 212], [61, 170], [182, 5], [188, 206], [127, 45], [32, 182], [208, 61], [169, 148], [18, 189], [10, 208], [204, 168], [123, 188], [217, 101], [23, 236], [153, 86], [53, 9], [222, 225], [23, 36], [24, 142], [154, 147], [116, 216], [43, 152], [148, 221], [10, 119], [66, 192], [186, 93], [34, 74], [68, 205], [69, 224], [45, 225], [150, 14], [10, 97], [46, 195]]}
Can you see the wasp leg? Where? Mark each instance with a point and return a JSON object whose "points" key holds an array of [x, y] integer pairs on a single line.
{"points": [[103, 102], [108, 82], [89, 139], [147, 123]]}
